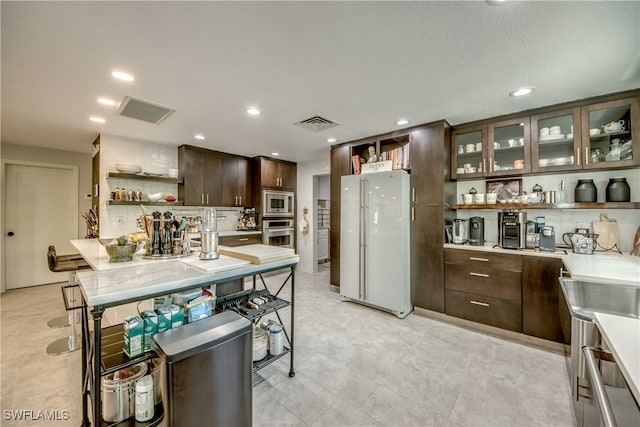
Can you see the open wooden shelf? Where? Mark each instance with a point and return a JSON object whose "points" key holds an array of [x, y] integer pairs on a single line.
{"points": [[497, 206]]}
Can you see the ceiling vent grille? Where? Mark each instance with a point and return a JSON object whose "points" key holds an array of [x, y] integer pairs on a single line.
{"points": [[144, 110], [316, 123]]}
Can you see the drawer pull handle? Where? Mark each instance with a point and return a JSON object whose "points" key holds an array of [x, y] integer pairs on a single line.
{"points": [[479, 259], [484, 304], [243, 240], [478, 274]]}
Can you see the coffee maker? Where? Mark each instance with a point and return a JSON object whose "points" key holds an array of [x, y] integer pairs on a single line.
{"points": [[512, 229], [476, 231]]}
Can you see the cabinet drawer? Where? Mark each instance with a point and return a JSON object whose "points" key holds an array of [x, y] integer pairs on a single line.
{"points": [[483, 258], [481, 280], [251, 239], [483, 309]]}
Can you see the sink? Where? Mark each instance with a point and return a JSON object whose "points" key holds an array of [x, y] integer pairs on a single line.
{"points": [[584, 298]]}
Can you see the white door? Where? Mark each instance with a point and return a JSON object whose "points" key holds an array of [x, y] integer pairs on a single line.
{"points": [[41, 209]]}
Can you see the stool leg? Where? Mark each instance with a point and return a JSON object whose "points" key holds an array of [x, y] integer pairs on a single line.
{"points": [[70, 343]]}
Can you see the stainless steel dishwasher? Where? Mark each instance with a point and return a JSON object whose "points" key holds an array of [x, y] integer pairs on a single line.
{"points": [[207, 370], [599, 391]]}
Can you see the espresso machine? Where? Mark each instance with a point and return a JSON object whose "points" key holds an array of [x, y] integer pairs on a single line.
{"points": [[512, 229], [209, 235], [248, 220]]}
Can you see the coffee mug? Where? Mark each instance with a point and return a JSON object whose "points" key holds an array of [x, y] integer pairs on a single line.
{"points": [[478, 146], [492, 198], [470, 148], [496, 145], [479, 199], [512, 143], [468, 199], [544, 132], [521, 142], [554, 130], [460, 170], [460, 149]]}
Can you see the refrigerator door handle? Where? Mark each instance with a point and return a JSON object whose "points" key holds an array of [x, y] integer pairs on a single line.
{"points": [[361, 241], [365, 228]]}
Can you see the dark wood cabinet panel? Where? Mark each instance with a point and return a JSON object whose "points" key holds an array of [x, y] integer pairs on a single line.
{"points": [[277, 174], [484, 259], [340, 162], [236, 180], [212, 178], [541, 297], [484, 309], [242, 240], [429, 157], [427, 257], [484, 280]]}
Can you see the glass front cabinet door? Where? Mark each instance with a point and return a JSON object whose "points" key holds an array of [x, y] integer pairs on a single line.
{"points": [[610, 134], [556, 141], [469, 152], [509, 147]]}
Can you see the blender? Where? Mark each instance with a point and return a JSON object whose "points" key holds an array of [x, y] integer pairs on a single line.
{"points": [[209, 235], [460, 231]]}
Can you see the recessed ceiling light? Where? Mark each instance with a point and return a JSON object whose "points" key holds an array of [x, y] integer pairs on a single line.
{"points": [[121, 75], [275, 154], [199, 136], [331, 140], [106, 101], [402, 122], [496, 2], [97, 119], [522, 91], [253, 111]]}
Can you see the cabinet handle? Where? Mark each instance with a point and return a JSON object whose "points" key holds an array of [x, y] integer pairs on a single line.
{"points": [[478, 274], [586, 156], [484, 165], [240, 198], [564, 273], [207, 199], [490, 164], [578, 156], [484, 304], [478, 259], [235, 203], [202, 199], [413, 214], [413, 194], [243, 239]]}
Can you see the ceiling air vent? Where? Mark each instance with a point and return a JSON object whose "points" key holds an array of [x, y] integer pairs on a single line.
{"points": [[316, 123], [144, 110]]}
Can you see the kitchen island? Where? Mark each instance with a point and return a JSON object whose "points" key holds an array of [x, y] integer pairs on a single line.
{"points": [[114, 284]]}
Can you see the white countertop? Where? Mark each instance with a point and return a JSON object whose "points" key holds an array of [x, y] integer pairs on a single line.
{"points": [[116, 283], [604, 268], [622, 336], [490, 247]]}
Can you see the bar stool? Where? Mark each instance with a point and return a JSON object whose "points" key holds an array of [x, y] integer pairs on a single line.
{"points": [[70, 263]]}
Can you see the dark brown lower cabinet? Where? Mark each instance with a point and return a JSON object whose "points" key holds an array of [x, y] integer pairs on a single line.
{"points": [[248, 239], [485, 309], [540, 297], [427, 258]]}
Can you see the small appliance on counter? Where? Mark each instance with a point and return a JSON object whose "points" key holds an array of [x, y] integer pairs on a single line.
{"points": [[512, 229], [532, 239], [248, 220], [209, 235], [460, 231], [547, 239], [476, 231]]}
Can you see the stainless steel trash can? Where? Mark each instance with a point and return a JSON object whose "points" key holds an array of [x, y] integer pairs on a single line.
{"points": [[208, 369]]}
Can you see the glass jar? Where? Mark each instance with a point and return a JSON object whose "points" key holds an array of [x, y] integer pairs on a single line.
{"points": [[586, 191], [618, 190], [259, 344]]}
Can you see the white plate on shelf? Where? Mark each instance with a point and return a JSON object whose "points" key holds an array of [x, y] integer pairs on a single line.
{"points": [[124, 168], [153, 173], [552, 137]]}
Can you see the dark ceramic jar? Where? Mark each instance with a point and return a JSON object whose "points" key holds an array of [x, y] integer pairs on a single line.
{"points": [[586, 191], [618, 190]]}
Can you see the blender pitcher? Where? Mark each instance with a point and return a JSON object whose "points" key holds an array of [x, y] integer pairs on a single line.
{"points": [[209, 235]]}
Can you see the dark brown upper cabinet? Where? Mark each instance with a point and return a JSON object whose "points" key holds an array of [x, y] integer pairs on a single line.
{"points": [[556, 141], [509, 147], [200, 174], [469, 152], [278, 174], [236, 181]]}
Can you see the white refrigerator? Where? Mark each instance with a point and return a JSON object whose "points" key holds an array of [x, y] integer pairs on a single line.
{"points": [[374, 241]]}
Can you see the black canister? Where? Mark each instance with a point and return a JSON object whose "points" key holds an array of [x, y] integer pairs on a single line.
{"points": [[586, 191], [618, 190]]}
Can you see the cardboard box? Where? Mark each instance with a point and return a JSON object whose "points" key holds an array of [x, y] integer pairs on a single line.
{"points": [[133, 336], [164, 319], [150, 327], [177, 315]]}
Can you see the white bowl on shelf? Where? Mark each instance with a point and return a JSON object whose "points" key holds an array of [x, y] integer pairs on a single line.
{"points": [[126, 168], [154, 197]]}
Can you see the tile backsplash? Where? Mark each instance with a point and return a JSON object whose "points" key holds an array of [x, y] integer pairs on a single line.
{"points": [[565, 220]]}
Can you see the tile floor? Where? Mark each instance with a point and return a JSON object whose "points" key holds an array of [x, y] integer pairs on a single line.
{"points": [[355, 366]]}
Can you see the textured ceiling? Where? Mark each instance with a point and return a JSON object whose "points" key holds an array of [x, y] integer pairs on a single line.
{"points": [[362, 64]]}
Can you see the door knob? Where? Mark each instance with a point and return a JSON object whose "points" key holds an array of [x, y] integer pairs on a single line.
{"points": [[10, 233]]}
